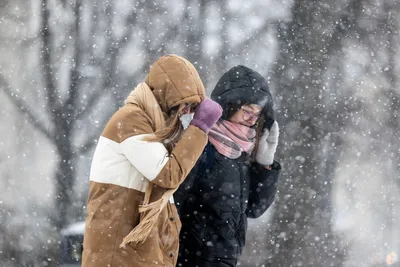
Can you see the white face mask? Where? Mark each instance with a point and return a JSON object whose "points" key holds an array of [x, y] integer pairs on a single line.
{"points": [[185, 119]]}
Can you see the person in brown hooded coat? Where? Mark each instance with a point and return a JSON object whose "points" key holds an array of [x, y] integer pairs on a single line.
{"points": [[141, 158]]}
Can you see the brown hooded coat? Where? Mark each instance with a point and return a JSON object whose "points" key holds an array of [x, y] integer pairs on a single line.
{"points": [[124, 165]]}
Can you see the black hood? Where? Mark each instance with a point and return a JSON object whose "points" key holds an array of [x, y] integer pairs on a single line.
{"points": [[241, 85]]}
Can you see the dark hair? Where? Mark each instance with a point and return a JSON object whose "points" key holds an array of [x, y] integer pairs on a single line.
{"points": [[258, 126], [232, 108]]}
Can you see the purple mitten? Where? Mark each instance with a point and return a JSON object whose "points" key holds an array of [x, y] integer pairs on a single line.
{"points": [[206, 115]]}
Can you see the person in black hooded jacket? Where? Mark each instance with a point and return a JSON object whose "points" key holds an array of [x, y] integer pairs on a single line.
{"points": [[236, 176]]}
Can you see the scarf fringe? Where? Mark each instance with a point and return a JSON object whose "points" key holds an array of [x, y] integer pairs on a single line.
{"points": [[148, 217], [140, 233], [144, 98]]}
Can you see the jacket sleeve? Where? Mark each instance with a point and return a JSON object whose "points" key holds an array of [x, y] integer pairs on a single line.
{"points": [[184, 189], [263, 188], [202, 166], [128, 127], [153, 161]]}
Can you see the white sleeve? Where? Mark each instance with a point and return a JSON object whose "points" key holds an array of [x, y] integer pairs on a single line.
{"points": [[148, 158]]}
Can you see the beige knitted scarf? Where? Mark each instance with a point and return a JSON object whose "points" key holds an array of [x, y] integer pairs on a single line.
{"points": [[143, 97]]}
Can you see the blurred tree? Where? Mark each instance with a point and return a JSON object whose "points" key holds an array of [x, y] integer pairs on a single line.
{"points": [[375, 127], [312, 97], [72, 91], [90, 54], [302, 226]]}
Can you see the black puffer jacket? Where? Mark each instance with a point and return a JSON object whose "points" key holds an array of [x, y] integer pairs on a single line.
{"points": [[219, 194]]}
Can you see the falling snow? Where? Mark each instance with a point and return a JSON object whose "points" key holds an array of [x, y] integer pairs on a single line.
{"points": [[333, 67]]}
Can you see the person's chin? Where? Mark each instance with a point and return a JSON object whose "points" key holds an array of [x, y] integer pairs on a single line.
{"points": [[248, 124]]}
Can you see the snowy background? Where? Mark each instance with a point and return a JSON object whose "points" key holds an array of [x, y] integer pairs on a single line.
{"points": [[333, 67]]}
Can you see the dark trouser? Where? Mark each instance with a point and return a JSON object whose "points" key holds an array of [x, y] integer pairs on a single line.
{"points": [[207, 263], [195, 260]]}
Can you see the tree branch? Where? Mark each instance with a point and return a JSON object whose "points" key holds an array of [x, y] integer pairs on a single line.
{"points": [[49, 82], [267, 25], [72, 98], [89, 106], [114, 48], [87, 145], [94, 24], [131, 21], [22, 106], [91, 140]]}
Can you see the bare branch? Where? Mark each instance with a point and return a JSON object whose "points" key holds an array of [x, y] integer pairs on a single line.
{"points": [[88, 144], [17, 18], [346, 23], [254, 36], [22, 106], [114, 47], [91, 140], [131, 20], [87, 109], [50, 86], [94, 24], [71, 101], [118, 44]]}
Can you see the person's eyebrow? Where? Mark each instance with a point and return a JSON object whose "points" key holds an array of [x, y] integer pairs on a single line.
{"points": [[255, 111]]}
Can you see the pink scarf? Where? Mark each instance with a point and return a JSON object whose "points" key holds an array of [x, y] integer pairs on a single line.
{"points": [[231, 139]]}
